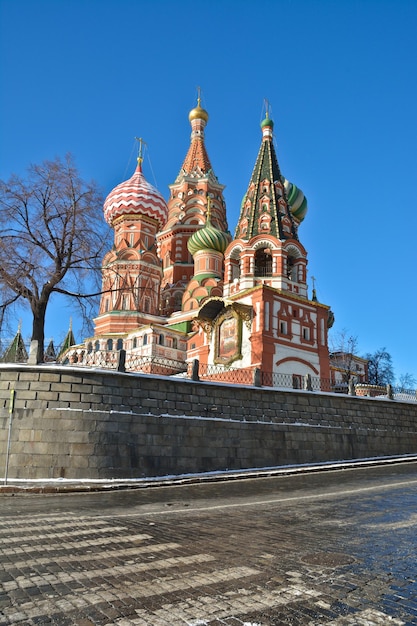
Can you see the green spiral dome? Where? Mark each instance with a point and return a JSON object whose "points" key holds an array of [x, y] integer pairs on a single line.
{"points": [[208, 238], [296, 200]]}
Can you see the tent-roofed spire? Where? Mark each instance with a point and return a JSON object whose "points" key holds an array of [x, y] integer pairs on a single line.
{"points": [[50, 354], [68, 341], [197, 161], [16, 351], [265, 206]]}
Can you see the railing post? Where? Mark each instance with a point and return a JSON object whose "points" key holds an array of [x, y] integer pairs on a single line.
{"points": [[351, 387], [257, 377], [390, 392], [33, 352], [121, 360], [195, 368]]}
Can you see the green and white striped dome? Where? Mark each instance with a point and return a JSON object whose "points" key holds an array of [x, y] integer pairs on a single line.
{"points": [[208, 238], [296, 200]]}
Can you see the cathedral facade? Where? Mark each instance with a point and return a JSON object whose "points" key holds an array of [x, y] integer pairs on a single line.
{"points": [[178, 286]]}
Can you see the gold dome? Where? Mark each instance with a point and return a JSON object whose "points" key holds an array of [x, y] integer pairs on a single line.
{"points": [[198, 113]]}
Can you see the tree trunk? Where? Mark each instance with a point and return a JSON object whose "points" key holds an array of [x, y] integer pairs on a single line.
{"points": [[38, 328]]}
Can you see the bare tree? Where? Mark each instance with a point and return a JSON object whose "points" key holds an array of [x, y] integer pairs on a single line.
{"points": [[407, 381], [52, 235], [343, 349], [380, 369]]}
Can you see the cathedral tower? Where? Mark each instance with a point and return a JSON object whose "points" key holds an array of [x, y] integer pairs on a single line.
{"points": [[131, 271], [187, 209], [207, 247], [266, 318], [266, 249]]}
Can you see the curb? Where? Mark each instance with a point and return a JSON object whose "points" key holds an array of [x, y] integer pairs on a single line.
{"points": [[62, 486]]}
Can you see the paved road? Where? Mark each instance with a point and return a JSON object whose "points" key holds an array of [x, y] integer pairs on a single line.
{"points": [[334, 548]]}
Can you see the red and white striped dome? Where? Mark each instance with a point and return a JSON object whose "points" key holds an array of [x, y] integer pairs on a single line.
{"points": [[135, 197]]}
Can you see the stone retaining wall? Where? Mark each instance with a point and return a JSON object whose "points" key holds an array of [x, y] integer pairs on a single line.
{"points": [[78, 423]]}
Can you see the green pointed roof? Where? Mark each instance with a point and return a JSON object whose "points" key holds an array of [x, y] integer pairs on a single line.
{"points": [[265, 201], [50, 353], [68, 342], [16, 351]]}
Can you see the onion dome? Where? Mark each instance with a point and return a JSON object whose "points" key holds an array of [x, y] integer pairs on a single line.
{"points": [[208, 238], [198, 113], [267, 121], [296, 200], [135, 197]]}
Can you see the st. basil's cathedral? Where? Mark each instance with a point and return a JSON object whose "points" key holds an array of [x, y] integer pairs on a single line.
{"points": [[177, 286]]}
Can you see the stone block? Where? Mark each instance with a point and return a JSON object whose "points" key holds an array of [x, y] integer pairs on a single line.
{"points": [[49, 376], [98, 406], [29, 376], [71, 378], [47, 395], [183, 406], [80, 387], [21, 385], [24, 394], [90, 398], [81, 449]]}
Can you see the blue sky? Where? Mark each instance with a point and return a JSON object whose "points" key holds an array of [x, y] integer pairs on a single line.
{"points": [[340, 77]]}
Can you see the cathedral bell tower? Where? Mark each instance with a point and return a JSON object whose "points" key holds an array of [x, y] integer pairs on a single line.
{"points": [[187, 213], [266, 249]]}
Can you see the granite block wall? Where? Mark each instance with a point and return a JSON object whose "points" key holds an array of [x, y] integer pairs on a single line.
{"points": [[79, 423]]}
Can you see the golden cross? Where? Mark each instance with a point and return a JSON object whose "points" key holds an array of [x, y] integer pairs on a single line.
{"points": [[141, 144]]}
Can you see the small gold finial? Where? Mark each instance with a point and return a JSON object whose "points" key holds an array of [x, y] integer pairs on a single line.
{"points": [[198, 112]]}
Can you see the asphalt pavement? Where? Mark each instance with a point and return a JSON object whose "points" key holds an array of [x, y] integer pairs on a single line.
{"points": [[325, 548]]}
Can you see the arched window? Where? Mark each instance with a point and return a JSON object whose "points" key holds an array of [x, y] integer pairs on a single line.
{"points": [[174, 343], [119, 344], [109, 344], [145, 340], [263, 262], [291, 268], [235, 265], [89, 347], [97, 346], [135, 343], [161, 340]]}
